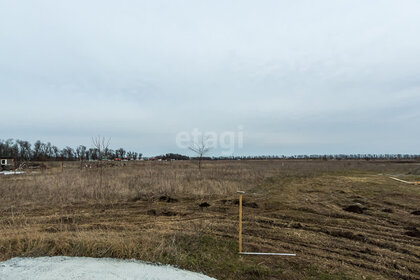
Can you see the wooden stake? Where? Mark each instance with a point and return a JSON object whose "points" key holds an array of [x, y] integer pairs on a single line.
{"points": [[240, 220], [240, 235]]}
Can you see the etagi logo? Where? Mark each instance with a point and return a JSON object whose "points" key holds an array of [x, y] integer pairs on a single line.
{"points": [[227, 141]]}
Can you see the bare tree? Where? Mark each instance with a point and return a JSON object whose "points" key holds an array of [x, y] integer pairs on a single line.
{"points": [[201, 148], [24, 149], [101, 144]]}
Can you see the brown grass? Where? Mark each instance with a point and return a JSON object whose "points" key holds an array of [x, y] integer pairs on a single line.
{"points": [[150, 211]]}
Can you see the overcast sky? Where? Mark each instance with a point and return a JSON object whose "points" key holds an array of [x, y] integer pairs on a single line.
{"points": [[296, 77]]}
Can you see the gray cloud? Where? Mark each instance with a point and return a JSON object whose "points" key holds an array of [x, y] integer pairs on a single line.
{"points": [[300, 76]]}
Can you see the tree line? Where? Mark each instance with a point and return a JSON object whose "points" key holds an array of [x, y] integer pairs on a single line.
{"points": [[24, 150], [172, 156], [328, 157]]}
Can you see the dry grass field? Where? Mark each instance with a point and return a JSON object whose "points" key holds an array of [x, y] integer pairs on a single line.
{"points": [[343, 219]]}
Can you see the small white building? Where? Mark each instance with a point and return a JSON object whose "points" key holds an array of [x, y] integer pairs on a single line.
{"points": [[7, 163]]}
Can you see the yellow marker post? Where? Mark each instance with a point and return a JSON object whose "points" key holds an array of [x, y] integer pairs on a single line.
{"points": [[240, 220]]}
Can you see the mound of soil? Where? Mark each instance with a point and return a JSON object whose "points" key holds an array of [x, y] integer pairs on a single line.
{"points": [[164, 212], [138, 198], [348, 235], [246, 203], [151, 212], [204, 205], [414, 172], [354, 209], [413, 232], [165, 198], [295, 225], [168, 213]]}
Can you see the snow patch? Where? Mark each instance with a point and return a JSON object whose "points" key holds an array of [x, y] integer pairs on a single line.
{"points": [[72, 268], [11, 172]]}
